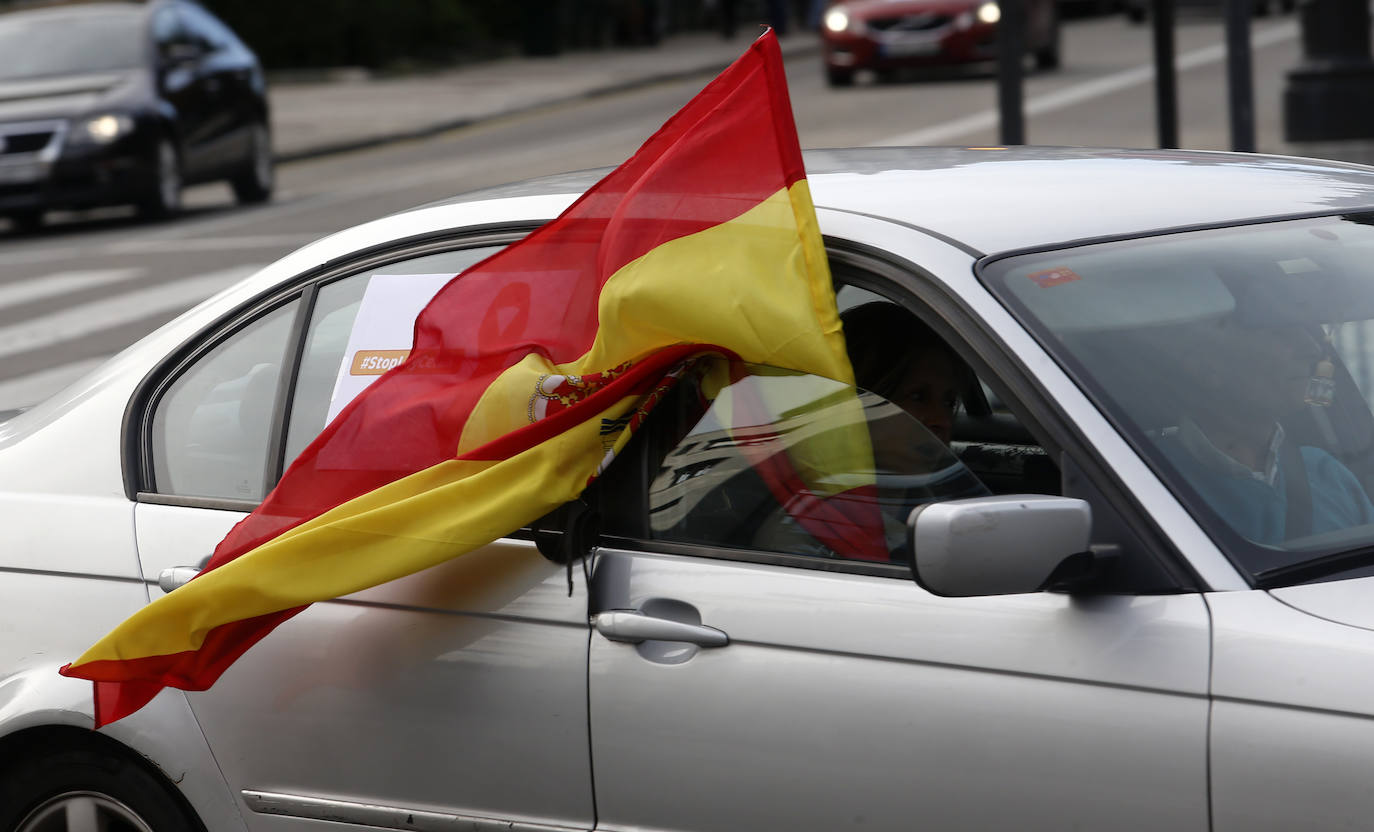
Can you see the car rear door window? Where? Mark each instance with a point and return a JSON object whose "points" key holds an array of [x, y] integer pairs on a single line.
{"points": [[328, 378], [212, 428]]}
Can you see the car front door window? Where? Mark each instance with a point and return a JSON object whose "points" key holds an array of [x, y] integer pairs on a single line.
{"points": [[798, 464]]}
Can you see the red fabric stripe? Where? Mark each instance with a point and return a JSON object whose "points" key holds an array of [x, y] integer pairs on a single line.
{"points": [[122, 687], [727, 150]]}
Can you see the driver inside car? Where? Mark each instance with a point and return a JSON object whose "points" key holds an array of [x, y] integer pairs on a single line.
{"points": [[895, 355]]}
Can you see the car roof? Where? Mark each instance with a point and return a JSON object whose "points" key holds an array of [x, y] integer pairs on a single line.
{"points": [[77, 9], [990, 200]]}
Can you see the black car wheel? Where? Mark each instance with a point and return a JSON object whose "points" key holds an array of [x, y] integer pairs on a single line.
{"points": [[26, 221], [839, 77], [255, 183], [165, 199], [77, 789], [1047, 56]]}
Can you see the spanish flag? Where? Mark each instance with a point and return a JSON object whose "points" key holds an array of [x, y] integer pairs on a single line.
{"points": [[527, 374]]}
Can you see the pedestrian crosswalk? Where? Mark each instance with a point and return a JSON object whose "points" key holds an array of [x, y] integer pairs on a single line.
{"points": [[123, 302]]}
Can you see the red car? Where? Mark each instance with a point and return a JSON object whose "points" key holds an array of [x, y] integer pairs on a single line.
{"points": [[886, 35]]}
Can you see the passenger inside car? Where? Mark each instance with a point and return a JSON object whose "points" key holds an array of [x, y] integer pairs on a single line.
{"points": [[1242, 440]]}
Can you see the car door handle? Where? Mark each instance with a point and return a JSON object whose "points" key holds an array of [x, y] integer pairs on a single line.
{"points": [[175, 576], [635, 627]]}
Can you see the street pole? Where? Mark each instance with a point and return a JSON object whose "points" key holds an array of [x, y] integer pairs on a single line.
{"points": [[1330, 95], [1011, 57], [1166, 79], [1238, 75]]}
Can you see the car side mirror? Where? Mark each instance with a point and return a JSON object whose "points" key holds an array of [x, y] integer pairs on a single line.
{"points": [[999, 545], [176, 54]]}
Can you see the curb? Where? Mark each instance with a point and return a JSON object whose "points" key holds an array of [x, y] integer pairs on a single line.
{"points": [[443, 126]]}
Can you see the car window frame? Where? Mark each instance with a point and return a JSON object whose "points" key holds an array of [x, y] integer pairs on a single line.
{"points": [[137, 430], [1071, 367], [919, 292], [1012, 380]]}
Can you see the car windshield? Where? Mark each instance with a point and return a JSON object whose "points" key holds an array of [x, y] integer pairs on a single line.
{"points": [[1240, 363], [69, 44]]}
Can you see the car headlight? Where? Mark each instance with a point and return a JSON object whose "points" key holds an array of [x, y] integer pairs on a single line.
{"points": [[837, 20], [989, 13], [103, 129]]}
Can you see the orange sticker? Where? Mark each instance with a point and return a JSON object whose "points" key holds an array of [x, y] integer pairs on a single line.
{"points": [[1054, 277], [375, 362]]}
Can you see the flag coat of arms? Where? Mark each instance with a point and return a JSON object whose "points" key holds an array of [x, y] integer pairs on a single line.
{"points": [[528, 372]]}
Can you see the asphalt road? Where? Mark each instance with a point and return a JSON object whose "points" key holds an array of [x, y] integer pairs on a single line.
{"points": [[90, 284]]}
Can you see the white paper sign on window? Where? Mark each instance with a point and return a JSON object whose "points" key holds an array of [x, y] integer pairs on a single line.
{"points": [[383, 332]]}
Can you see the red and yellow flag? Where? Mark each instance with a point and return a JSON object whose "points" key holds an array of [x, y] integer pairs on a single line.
{"points": [[525, 371]]}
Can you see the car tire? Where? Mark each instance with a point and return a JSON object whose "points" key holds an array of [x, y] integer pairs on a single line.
{"points": [[26, 222], [839, 77], [256, 181], [1047, 57], [97, 790], [165, 199], [1136, 12]]}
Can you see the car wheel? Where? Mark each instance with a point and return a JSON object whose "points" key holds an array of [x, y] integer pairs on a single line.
{"points": [[165, 199], [839, 77], [79, 789], [256, 181], [1136, 12], [1047, 56], [26, 221]]}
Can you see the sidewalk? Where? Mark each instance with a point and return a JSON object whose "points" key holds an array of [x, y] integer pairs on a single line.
{"points": [[348, 112]]}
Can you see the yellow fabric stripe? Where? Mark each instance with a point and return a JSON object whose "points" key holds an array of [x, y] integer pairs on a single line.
{"points": [[734, 285], [398, 529]]}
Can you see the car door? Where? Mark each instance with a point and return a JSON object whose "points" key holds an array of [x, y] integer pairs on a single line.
{"points": [[183, 82], [455, 696], [743, 680], [227, 73]]}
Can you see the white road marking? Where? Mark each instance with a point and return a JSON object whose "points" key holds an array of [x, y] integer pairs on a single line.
{"points": [[1086, 91], [60, 283], [27, 390], [77, 321]]}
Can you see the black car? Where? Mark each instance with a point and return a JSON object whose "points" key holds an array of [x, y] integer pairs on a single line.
{"points": [[114, 103]]}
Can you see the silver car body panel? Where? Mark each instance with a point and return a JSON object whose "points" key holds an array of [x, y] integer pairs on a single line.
{"points": [[1033, 209], [77, 611], [997, 199], [465, 696], [855, 699], [1345, 602], [458, 692], [1293, 720]]}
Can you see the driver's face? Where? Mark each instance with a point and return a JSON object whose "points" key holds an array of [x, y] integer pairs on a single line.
{"points": [[929, 392]]}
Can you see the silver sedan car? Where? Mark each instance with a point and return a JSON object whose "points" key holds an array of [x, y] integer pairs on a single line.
{"points": [[1130, 582]]}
